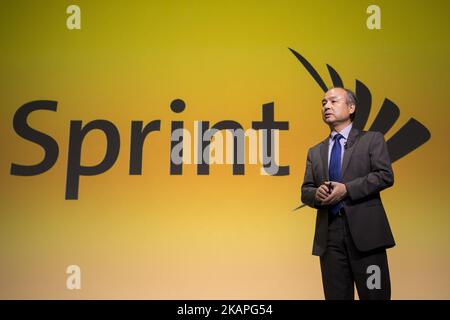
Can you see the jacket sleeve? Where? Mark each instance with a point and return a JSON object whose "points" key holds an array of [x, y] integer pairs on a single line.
{"points": [[381, 175], [309, 187]]}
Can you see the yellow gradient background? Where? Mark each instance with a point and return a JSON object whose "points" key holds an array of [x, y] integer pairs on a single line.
{"points": [[158, 236]]}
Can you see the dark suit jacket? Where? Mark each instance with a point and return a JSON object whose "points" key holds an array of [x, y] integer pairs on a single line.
{"points": [[366, 170]]}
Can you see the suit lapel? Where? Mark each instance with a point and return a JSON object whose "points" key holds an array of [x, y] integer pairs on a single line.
{"points": [[352, 138], [324, 157]]}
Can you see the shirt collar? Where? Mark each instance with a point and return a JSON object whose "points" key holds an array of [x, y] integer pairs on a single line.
{"points": [[344, 132]]}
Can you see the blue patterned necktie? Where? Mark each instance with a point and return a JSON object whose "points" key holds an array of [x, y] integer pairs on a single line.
{"points": [[335, 169]]}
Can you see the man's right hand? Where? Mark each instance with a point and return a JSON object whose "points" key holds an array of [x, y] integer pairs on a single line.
{"points": [[321, 193]]}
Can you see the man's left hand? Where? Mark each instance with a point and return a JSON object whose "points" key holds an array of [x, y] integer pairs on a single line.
{"points": [[338, 193]]}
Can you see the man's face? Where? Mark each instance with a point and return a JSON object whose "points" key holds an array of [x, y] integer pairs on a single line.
{"points": [[335, 108]]}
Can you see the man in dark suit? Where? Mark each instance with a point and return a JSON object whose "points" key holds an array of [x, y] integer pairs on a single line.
{"points": [[343, 179]]}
